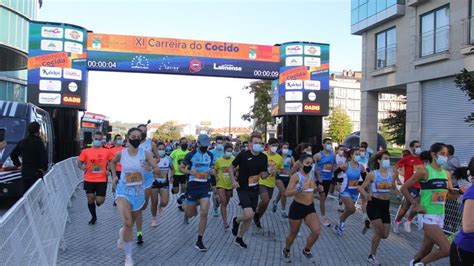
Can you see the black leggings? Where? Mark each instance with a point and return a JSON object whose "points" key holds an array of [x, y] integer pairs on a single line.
{"points": [[459, 257]]}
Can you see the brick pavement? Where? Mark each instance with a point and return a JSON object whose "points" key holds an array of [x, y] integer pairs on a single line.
{"points": [[172, 242]]}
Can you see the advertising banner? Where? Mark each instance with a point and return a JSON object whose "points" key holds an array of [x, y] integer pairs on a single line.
{"points": [[179, 56], [57, 70], [303, 84]]}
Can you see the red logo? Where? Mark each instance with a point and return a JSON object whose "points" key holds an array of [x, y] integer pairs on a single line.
{"points": [[195, 65], [71, 99], [311, 108]]}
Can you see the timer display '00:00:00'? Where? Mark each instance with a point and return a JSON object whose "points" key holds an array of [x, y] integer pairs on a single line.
{"points": [[101, 64]]}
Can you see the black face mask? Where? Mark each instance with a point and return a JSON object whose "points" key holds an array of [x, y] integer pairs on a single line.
{"points": [[203, 149], [143, 135], [184, 147], [307, 168], [134, 142]]}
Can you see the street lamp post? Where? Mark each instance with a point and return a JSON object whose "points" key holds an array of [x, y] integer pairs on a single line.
{"points": [[230, 114]]}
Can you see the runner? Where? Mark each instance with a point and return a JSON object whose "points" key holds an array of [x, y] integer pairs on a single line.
{"points": [[409, 164], [94, 163], [224, 183], [179, 178], [302, 186], [435, 183], [217, 153], [253, 165], [149, 146], [118, 147], [130, 194], [339, 175], [348, 192], [267, 185], [378, 207], [325, 161], [160, 188], [197, 164], [364, 160], [283, 179]]}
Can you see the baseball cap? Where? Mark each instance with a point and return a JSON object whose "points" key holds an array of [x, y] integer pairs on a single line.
{"points": [[204, 140]]}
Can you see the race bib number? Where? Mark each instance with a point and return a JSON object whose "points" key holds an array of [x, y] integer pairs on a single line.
{"points": [[327, 167], [133, 179], [353, 184], [308, 185], [384, 186], [438, 197], [253, 180], [201, 176], [97, 169]]}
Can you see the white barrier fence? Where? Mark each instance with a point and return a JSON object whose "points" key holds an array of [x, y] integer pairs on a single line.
{"points": [[31, 232]]}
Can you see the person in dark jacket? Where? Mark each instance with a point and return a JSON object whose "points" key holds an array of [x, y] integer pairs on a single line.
{"points": [[34, 158]]}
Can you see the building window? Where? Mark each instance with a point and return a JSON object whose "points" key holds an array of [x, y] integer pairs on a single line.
{"points": [[386, 45], [435, 31]]}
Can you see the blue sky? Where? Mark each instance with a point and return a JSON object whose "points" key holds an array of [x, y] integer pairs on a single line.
{"points": [[244, 21]]}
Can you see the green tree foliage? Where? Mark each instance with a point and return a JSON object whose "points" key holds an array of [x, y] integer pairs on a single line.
{"points": [[465, 81], [168, 131], [340, 125], [260, 111], [395, 125]]}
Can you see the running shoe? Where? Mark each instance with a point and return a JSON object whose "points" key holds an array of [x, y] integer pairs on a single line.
{"points": [[286, 255], [128, 261], [256, 220], [326, 222], [240, 242], [338, 230], [395, 227], [93, 221], [200, 246], [154, 222], [412, 263], [226, 227], [274, 207], [216, 212], [407, 226], [120, 242], [235, 226], [284, 215], [373, 260], [139, 238], [366, 227], [307, 253], [180, 208]]}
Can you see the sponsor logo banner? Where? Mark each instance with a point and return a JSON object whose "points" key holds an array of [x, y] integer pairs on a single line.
{"points": [[293, 107], [312, 61], [291, 96], [70, 73], [294, 50], [314, 85], [71, 99], [294, 61], [51, 72], [312, 108], [226, 67], [182, 47], [50, 85], [72, 86], [73, 47], [49, 98], [299, 73], [52, 32], [75, 35], [49, 60], [51, 45], [312, 96], [312, 50], [294, 84]]}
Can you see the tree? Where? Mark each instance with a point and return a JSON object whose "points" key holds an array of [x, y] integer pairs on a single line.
{"points": [[395, 125], [168, 131], [260, 111], [340, 125], [465, 81]]}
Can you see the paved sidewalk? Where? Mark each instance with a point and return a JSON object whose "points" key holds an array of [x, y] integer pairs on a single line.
{"points": [[172, 242]]}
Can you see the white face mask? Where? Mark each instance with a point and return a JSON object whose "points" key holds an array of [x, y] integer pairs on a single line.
{"points": [[274, 149], [284, 151]]}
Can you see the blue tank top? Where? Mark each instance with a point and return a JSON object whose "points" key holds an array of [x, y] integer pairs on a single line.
{"points": [[286, 165], [326, 159], [306, 182], [382, 185], [351, 180], [200, 163]]}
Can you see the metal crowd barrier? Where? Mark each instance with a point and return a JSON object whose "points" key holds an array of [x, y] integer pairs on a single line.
{"points": [[31, 231]]}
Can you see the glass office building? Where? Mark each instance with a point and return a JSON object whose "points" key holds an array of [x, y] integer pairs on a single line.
{"points": [[15, 16], [369, 13]]}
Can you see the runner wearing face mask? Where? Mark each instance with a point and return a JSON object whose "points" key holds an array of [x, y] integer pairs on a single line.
{"points": [[118, 147], [149, 146], [364, 161], [283, 179], [179, 178], [410, 165], [130, 191], [160, 188], [198, 165], [352, 171], [217, 153], [253, 165], [94, 163], [326, 162], [339, 175], [224, 183], [302, 186], [381, 183], [267, 185], [435, 183]]}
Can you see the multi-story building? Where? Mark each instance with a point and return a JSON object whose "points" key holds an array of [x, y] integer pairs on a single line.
{"points": [[415, 48], [344, 91], [15, 16]]}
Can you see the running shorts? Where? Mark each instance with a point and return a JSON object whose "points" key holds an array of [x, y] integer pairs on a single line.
{"points": [[379, 209], [299, 211], [97, 188], [248, 197]]}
